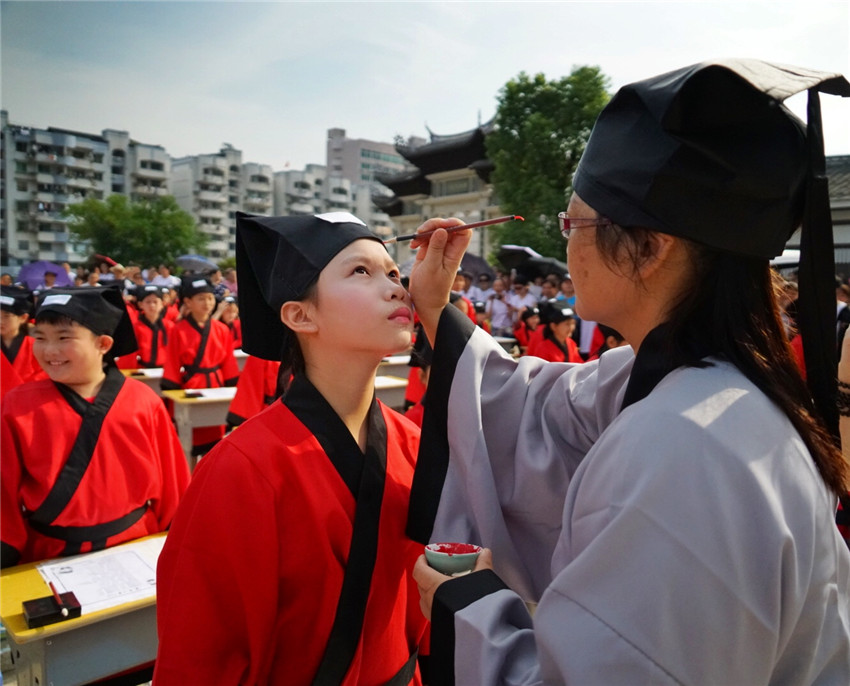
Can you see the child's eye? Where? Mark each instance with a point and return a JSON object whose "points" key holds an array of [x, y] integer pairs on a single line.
{"points": [[393, 274], [361, 270]]}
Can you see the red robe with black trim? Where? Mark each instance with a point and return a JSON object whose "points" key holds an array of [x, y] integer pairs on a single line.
{"points": [[137, 459], [22, 359], [250, 576], [551, 352], [8, 376], [183, 341], [147, 335], [235, 328], [256, 389]]}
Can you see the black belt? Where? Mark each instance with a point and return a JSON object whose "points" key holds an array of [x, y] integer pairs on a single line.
{"points": [[75, 536]]}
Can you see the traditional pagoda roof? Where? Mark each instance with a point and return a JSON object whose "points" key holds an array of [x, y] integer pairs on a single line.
{"points": [[838, 173], [391, 204], [443, 153], [406, 183]]}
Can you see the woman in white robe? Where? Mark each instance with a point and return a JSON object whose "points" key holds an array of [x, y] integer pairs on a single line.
{"points": [[669, 507]]}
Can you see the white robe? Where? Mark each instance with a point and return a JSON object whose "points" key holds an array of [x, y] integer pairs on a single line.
{"points": [[687, 540]]}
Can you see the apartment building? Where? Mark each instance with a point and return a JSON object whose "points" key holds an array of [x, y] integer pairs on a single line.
{"points": [[42, 171], [213, 187]]}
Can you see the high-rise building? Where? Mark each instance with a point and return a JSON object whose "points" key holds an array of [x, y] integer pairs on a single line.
{"points": [[213, 187], [46, 170]]}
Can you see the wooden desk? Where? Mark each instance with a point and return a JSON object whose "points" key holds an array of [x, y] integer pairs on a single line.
{"points": [[390, 391], [76, 651], [506, 342], [150, 377], [193, 412], [397, 365]]}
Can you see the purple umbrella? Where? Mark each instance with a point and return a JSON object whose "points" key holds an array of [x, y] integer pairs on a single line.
{"points": [[32, 274]]}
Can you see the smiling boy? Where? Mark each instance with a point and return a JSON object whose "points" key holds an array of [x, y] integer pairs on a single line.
{"points": [[89, 458]]}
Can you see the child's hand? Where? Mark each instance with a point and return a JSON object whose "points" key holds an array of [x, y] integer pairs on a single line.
{"points": [[435, 269]]}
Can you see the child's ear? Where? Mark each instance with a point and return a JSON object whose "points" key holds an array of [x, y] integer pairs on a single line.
{"points": [[297, 316], [104, 343]]}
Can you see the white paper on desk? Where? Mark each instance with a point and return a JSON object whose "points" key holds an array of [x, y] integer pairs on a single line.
{"points": [[226, 392], [389, 382], [153, 373], [107, 578]]}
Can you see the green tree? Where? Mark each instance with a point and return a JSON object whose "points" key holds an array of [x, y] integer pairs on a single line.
{"points": [[541, 130], [145, 232]]}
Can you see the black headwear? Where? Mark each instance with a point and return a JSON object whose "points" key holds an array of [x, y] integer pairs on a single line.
{"points": [[100, 310], [709, 153], [278, 259], [142, 292], [16, 300], [192, 285]]}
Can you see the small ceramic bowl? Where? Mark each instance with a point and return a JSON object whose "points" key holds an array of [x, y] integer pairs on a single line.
{"points": [[452, 558]]}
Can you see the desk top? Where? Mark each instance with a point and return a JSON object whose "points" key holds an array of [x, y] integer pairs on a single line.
{"points": [[382, 382], [24, 582], [151, 373], [216, 395]]}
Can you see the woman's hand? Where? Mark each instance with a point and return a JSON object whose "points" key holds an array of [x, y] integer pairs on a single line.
{"points": [[435, 268], [429, 579]]}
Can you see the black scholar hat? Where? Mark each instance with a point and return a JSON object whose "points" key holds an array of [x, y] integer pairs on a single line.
{"points": [[192, 285], [142, 292], [710, 153], [16, 300], [278, 259], [101, 310]]}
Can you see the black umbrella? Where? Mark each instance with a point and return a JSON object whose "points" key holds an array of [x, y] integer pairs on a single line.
{"points": [[542, 266], [476, 265], [511, 256], [197, 264]]}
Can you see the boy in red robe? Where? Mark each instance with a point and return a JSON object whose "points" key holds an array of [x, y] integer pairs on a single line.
{"points": [[288, 562], [199, 354], [89, 459], [16, 343]]}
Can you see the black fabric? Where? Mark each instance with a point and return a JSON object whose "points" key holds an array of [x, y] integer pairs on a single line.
{"points": [[101, 310], [16, 299], [11, 351], [405, 675], [9, 555], [432, 463], [155, 328], [277, 259], [451, 597], [96, 533], [364, 473], [93, 415]]}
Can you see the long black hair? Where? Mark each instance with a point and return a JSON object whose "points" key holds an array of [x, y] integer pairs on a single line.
{"points": [[730, 307]]}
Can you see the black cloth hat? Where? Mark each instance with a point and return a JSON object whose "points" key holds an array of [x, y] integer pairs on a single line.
{"points": [[16, 300], [192, 285], [529, 312], [101, 310], [142, 292], [710, 153], [554, 313], [278, 259]]}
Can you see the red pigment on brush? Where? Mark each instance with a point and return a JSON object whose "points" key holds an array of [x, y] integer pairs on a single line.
{"points": [[454, 548], [522, 219]]}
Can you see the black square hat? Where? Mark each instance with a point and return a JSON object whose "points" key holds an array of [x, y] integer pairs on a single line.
{"points": [[709, 153], [142, 292], [194, 284], [278, 259], [16, 300], [101, 310]]}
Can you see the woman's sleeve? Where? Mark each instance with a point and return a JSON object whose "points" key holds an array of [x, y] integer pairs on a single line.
{"points": [[500, 441]]}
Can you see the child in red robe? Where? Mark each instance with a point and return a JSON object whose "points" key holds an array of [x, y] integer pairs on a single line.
{"points": [[16, 343], [89, 458], [199, 354], [288, 562]]}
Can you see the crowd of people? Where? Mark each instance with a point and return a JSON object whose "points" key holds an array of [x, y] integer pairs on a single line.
{"points": [[645, 448]]}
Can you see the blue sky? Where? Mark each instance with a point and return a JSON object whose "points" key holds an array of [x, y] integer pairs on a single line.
{"points": [[271, 77]]}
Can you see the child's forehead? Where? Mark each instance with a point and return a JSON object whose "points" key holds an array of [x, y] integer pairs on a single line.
{"points": [[66, 325], [363, 248]]}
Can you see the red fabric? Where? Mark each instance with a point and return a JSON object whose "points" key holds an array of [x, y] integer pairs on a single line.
{"points": [[183, 342], [534, 340], [523, 334], [797, 349], [415, 388], [137, 459], [551, 352], [235, 328], [250, 576], [8, 376], [172, 312], [257, 383], [25, 364], [145, 337], [415, 414]]}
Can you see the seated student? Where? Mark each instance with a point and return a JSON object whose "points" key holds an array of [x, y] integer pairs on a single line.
{"points": [[420, 362], [529, 320], [151, 327], [611, 339], [199, 354], [261, 382], [227, 312], [15, 308], [556, 344], [287, 562], [89, 458], [481, 318]]}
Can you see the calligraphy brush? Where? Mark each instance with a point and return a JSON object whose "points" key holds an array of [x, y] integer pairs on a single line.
{"points": [[473, 225]]}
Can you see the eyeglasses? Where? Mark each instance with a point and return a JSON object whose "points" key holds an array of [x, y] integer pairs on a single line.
{"points": [[567, 224]]}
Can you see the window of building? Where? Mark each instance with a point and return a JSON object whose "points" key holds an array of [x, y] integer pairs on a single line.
{"points": [[21, 186], [118, 170], [21, 146], [22, 206], [23, 245], [20, 167], [339, 190], [117, 188]]}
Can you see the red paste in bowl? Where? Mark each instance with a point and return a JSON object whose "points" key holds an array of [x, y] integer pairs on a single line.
{"points": [[454, 548]]}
